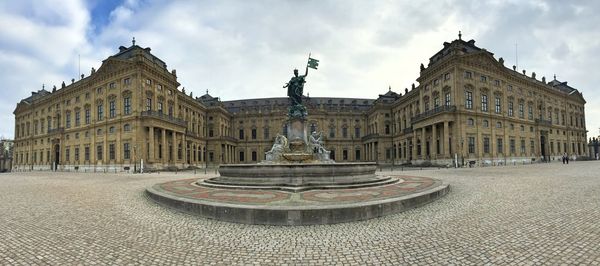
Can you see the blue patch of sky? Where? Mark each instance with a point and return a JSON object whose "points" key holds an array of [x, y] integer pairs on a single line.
{"points": [[100, 13]]}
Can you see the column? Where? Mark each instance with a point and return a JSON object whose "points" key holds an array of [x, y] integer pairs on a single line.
{"points": [[151, 141], [445, 142], [184, 149], [414, 146], [164, 146], [423, 142], [175, 147], [434, 150]]}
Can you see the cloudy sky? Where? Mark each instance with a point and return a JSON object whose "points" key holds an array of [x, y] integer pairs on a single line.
{"points": [[247, 49]]}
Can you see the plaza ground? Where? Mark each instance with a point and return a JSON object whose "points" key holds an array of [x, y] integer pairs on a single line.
{"points": [[521, 215]]}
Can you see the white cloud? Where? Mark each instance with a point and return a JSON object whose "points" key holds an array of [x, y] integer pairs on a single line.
{"points": [[243, 49]]}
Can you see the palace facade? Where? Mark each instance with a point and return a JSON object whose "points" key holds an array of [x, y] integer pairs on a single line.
{"points": [[467, 108]]}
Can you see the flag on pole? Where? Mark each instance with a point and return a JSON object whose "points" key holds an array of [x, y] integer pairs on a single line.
{"points": [[313, 63]]}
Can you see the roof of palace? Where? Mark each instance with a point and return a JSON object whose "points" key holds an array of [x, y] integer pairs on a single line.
{"points": [[129, 52]]}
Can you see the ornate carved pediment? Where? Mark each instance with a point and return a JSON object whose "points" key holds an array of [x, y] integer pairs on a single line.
{"points": [[126, 93], [112, 97], [446, 89], [484, 60]]}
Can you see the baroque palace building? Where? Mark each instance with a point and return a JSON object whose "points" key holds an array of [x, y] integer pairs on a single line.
{"points": [[467, 108]]}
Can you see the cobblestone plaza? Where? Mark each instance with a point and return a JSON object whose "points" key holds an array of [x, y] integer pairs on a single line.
{"points": [[521, 215]]}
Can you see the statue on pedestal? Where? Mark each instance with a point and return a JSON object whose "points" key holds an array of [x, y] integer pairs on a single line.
{"points": [[296, 88]]}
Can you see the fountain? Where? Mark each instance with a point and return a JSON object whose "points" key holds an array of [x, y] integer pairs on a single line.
{"points": [[298, 183]]}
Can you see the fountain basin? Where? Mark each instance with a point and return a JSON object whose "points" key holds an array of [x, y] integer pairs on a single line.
{"points": [[299, 175]]}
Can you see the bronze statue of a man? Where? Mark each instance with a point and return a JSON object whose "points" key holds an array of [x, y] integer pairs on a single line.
{"points": [[296, 87]]}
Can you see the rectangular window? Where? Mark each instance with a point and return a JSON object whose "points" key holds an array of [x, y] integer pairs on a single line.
{"points": [[498, 102], [112, 85], [469, 100], [499, 146], [159, 107], [112, 109], [148, 104], [86, 153], [77, 118], [77, 154], [521, 110], [357, 132], [127, 81], [510, 108], [111, 151], [99, 152], [127, 105], [344, 132], [513, 148], [447, 76], [68, 121], [468, 75], [484, 103], [522, 146], [87, 117], [483, 78], [67, 154], [253, 133], [332, 132], [357, 155], [241, 156], [436, 102], [126, 151], [241, 134], [531, 146], [254, 156], [497, 83], [486, 145], [447, 99], [530, 112], [266, 133], [344, 155], [100, 112], [471, 144]]}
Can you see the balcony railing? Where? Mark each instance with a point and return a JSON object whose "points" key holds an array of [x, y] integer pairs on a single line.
{"points": [[543, 122], [56, 130], [191, 133], [165, 117], [434, 111], [370, 136]]}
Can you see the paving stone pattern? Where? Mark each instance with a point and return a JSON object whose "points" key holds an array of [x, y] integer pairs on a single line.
{"points": [[513, 215]]}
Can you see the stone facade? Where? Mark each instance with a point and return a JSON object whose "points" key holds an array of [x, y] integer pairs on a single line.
{"points": [[467, 108]]}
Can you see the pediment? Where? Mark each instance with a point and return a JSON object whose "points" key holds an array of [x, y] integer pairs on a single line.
{"points": [[484, 60], [109, 66]]}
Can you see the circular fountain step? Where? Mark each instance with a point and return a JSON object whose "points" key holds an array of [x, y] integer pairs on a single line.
{"points": [[315, 206]]}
